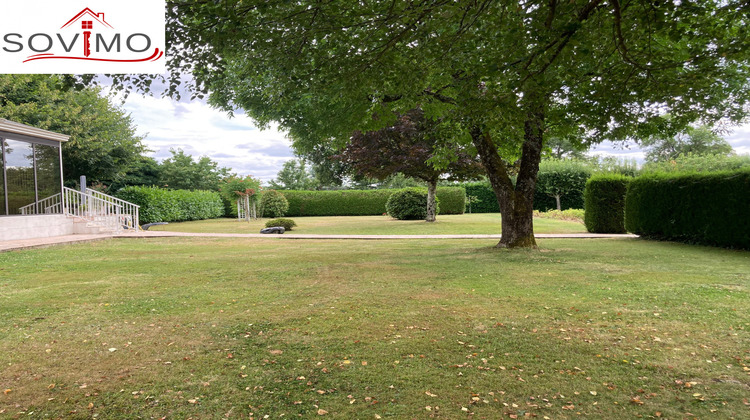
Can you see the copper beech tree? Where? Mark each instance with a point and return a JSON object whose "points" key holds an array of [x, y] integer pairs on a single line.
{"points": [[501, 75], [408, 146]]}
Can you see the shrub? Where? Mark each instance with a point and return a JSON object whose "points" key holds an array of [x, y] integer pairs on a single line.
{"points": [[605, 203], [273, 204], [162, 205], [287, 224], [573, 215], [409, 204], [707, 208], [360, 202]]}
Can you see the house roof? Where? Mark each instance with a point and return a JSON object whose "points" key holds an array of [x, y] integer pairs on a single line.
{"points": [[99, 17], [10, 128]]}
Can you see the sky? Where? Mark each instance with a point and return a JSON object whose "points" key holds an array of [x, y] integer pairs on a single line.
{"points": [[236, 143]]}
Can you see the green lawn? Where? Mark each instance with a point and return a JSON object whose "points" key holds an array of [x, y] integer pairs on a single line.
{"points": [[480, 223], [208, 328]]}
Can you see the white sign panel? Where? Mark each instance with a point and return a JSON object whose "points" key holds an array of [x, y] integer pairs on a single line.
{"points": [[82, 37]]}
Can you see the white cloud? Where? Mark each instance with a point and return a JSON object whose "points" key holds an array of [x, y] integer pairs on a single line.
{"points": [[201, 130]]}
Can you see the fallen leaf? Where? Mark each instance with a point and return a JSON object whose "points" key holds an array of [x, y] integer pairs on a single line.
{"points": [[112, 349], [322, 412], [276, 352], [592, 392], [7, 391]]}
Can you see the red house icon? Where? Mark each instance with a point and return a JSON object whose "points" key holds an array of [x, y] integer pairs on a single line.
{"points": [[99, 17], [87, 26]]}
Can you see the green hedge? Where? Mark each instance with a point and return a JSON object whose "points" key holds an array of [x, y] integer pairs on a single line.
{"points": [[487, 202], [161, 205], [707, 208], [452, 200], [605, 203], [361, 202]]}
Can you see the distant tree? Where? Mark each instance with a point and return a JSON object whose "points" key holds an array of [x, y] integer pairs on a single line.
{"points": [[295, 175], [399, 180], [103, 142], [561, 148], [181, 172], [329, 172], [145, 171], [699, 163], [695, 141], [558, 178], [408, 147]]}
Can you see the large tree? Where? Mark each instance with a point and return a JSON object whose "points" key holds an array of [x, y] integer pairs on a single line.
{"points": [[502, 74], [103, 142], [408, 147]]}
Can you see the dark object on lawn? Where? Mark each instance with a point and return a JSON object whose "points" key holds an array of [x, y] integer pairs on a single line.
{"points": [[148, 225], [277, 229]]}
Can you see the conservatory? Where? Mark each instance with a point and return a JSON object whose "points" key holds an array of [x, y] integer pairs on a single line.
{"points": [[31, 161], [33, 201]]}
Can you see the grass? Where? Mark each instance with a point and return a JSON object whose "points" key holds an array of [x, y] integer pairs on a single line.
{"points": [[208, 327], [478, 223]]}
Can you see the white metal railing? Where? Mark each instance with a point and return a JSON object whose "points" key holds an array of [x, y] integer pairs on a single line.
{"points": [[49, 205], [92, 206], [101, 209]]}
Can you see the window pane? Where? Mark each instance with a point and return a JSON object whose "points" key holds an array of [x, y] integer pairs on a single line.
{"points": [[19, 161], [47, 176]]}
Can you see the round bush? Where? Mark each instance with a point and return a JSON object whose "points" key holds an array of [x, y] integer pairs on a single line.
{"points": [[409, 204], [605, 203], [287, 224], [273, 204]]}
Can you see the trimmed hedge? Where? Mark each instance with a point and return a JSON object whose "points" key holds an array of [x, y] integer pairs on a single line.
{"points": [[707, 208], [161, 205], [452, 200], [487, 202], [605, 203], [361, 202]]}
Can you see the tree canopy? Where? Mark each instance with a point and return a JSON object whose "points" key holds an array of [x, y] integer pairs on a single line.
{"points": [[501, 75], [696, 141], [181, 171], [294, 175], [103, 142]]}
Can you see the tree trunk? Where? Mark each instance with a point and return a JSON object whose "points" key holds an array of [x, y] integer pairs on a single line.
{"points": [[557, 199], [516, 202], [431, 204]]}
